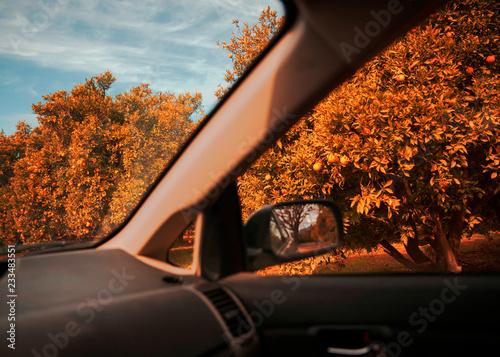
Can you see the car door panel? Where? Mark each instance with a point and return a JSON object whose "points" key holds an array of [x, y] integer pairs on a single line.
{"points": [[412, 313]]}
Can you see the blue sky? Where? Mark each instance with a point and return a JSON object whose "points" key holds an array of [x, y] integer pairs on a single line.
{"points": [[51, 45]]}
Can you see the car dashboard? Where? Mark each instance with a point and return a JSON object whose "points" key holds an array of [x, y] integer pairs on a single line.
{"points": [[133, 309]]}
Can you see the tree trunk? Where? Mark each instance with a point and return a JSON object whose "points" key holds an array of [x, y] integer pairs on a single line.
{"points": [[412, 247], [456, 227], [446, 258]]}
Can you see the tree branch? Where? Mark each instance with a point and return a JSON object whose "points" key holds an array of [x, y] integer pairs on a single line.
{"points": [[376, 219], [393, 252], [412, 247]]}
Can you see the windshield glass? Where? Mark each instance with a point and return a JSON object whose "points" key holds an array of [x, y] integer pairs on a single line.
{"points": [[97, 97]]}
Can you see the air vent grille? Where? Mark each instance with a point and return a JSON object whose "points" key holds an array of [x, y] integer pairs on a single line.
{"points": [[232, 315]]}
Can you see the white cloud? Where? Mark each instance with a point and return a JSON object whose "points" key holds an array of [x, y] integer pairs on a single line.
{"points": [[168, 44]]}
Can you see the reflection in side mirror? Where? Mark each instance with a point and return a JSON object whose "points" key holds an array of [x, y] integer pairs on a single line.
{"points": [[292, 230], [302, 228]]}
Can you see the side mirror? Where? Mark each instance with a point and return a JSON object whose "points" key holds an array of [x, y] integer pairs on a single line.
{"points": [[289, 231]]}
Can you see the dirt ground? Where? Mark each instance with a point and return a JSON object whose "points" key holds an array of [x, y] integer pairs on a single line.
{"points": [[478, 254]]}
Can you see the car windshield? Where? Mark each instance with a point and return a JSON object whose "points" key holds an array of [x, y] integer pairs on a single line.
{"points": [[97, 98]]}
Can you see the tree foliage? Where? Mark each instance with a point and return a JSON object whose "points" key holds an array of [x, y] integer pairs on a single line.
{"points": [[408, 146], [89, 161], [247, 44]]}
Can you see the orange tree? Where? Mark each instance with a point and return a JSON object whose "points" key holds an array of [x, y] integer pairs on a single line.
{"points": [[12, 148], [248, 43], [156, 125], [89, 161], [408, 146]]}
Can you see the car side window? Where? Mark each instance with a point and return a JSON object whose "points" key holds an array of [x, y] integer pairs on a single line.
{"points": [[180, 253], [408, 148]]}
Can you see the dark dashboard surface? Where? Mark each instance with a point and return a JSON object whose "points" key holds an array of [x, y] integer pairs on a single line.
{"points": [[108, 303], [93, 303]]}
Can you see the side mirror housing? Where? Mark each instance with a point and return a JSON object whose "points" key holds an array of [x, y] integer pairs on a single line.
{"points": [[290, 231]]}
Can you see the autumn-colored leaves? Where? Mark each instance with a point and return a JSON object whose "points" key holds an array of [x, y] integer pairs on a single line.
{"points": [[452, 40], [409, 142], [79, 173], [246, 45]]}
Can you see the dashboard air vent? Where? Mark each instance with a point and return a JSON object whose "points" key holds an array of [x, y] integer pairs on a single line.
{"points": [[234, 318]]}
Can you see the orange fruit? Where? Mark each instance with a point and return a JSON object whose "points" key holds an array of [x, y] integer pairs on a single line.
{"points": [[344, 160]]}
